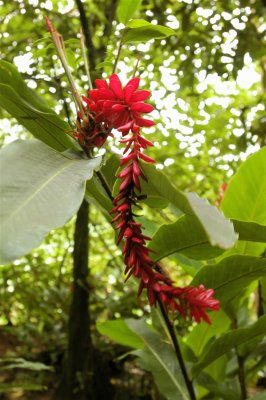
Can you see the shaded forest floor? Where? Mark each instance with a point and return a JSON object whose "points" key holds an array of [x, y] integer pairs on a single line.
{"points": [[32, 383]]}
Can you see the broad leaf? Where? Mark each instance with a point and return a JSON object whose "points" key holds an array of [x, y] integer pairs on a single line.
{"points": [[126, 9], [245, 197], [229, 341], [185, 236], [24, 105], [96, 193], [138, 23], [21, 363], [202, 333], [230, 275], [222, 390], [219, 231], [250, 231], [147, 32], [119, 332], [158, 357], [40, 190]]}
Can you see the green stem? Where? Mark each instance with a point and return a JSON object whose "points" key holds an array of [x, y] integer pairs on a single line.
{"points": [[60, 48], [85, 58], [178, 353], [117, 56]]}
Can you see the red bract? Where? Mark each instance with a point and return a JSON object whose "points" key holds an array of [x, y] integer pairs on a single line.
{"points": [[119, 107], [113, 106]]}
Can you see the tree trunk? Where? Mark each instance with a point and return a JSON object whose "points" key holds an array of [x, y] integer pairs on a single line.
{"points": [[76, 382]]}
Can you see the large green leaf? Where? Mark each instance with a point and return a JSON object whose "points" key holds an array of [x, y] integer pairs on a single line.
{"points": [[119, 332], [222, 390], [126, 9], [230, 275], [186, 236], [147, 32], [202, 333], [229, 341], [40, 190], [96, 192], [219, 231], [250, 231], [245, 197], [23, 104], [158, 357]]}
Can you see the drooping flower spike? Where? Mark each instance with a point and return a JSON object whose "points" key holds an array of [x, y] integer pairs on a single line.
{"points": [[113, 106]]}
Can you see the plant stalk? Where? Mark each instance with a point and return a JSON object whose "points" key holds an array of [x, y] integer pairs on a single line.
{"points": [[60, 48], [85, 58], [241, 369], [117, 56], [178, 353]]}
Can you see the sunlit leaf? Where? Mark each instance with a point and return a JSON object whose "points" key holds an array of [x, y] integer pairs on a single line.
{"points": [[126, 9], [230, 275], [28, 109], [228, 341], [40, 190]]}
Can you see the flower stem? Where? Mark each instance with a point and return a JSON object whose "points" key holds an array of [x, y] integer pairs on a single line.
{"points": [[60, 48], [178, 353], [117, 56], [85, 58]]}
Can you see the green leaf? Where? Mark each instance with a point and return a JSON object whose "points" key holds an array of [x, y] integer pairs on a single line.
{"points": [[230, 275], [229, 341], [137, 23], [71, 58], [42, 52], [104, 64], [185, 236], [146, 33], [23, 104], [244, 198], [119, 332], [11, 363], [250, 231], [95, 191], [126, 9], [216, 388], [202, 333], [158, 357], [219, 231], [40, 190]]}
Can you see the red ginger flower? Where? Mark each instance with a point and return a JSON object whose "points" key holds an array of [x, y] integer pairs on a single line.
{"points": [[119, 107]]}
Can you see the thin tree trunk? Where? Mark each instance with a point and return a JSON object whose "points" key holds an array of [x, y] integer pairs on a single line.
{"points": [[76, 382]]}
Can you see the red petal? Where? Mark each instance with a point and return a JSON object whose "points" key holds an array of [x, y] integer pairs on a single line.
{"points": [[128, 91], [126, 127], [106, 94], [144, 142], [133, 82], [118, 107], [126, 182], [146, 158], [101, 84], [144, 122], [126, 171], [115, 86], [140, 95], [142, 107], [94, 94]]}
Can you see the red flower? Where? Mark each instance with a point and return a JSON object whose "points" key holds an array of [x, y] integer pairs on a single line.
{"points": [[112, 106], [119, 107]]}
